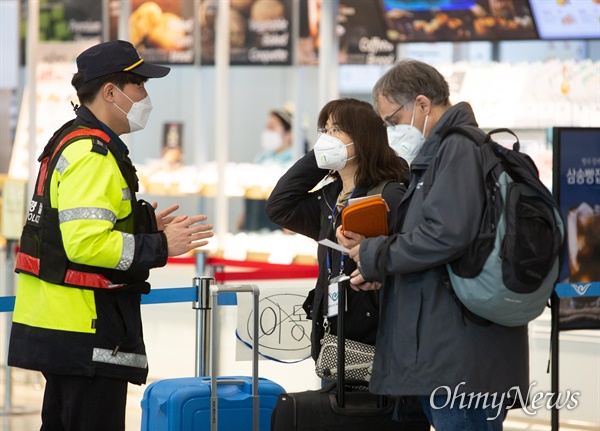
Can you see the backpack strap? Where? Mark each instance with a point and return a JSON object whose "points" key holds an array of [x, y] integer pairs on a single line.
{"points": [[476, 135], [378, 189], [479, 137]]}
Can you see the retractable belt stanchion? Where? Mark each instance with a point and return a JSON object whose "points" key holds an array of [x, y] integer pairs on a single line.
{"points": [[202, 307], [8, 408]]}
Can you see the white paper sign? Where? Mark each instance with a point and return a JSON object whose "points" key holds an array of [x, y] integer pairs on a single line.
{"points": [[284, 330]]}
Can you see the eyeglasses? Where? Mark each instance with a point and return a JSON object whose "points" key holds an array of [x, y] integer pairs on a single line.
{"points": [[333, 130], [387, 121]]}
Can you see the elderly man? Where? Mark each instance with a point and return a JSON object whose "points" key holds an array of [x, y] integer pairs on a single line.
{"points": [[426, 345]]}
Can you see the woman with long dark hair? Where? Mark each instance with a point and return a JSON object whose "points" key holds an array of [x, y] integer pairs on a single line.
{"points": [[353, 152]]}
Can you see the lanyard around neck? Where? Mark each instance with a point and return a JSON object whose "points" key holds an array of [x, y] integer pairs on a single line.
{"points": [[330, 251]]}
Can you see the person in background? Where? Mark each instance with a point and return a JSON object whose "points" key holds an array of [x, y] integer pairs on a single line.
{"points": [[276, 138], [426, 343], [276, 144], [87, 248], [352, 151]]}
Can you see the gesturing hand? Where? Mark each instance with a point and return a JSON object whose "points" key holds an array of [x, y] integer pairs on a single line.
{"points": [[185, 233], [162, 217]]}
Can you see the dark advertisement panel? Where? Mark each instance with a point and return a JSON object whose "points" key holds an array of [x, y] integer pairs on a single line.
{"points": [[70, 20], [361, 30], [259, 32], [63, 21], [458, 20], [577, 188]]}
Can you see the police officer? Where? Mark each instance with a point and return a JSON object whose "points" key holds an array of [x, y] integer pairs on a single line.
{"points": [[87, 248]]}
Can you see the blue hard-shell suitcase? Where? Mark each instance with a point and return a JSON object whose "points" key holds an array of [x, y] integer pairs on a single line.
{"points": [[241, 403], [184, 403]]}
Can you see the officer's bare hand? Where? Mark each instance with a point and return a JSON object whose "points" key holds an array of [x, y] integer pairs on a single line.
{"points": [[186, 233], [348, 239], [163, 218]]}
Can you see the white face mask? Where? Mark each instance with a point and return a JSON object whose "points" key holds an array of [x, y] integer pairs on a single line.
{"points": [[138, 114], [270, 140], [406, 139], [331, 153]]}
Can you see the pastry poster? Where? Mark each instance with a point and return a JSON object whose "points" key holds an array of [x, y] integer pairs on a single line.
{"points": [[163, 30], [577, 188], [63, 20], [457, 20], [361, 30], [259, 31], [70, 20]]}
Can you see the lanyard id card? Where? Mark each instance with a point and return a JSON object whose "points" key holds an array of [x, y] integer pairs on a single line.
{"points": [[333, 297]]}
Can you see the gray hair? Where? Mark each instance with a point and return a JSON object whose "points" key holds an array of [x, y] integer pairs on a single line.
{"points": [[407, 79]]}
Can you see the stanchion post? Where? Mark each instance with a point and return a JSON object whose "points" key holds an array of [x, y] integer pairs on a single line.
{"points": [[9, 291], [203, 310], [554, 358], [201, 257], [8, 408]]}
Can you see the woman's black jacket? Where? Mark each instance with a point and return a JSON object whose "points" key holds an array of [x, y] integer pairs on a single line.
{"points": [[295, 206]]}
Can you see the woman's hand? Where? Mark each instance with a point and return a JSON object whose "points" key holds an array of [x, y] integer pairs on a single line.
{"points": [[348, 239]]}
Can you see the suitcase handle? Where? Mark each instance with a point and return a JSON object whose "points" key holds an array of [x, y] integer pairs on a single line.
{"points": [[231, 382], [343, 283], [214, 400]]}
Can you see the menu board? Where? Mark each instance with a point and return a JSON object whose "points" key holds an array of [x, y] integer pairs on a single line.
{"points": [[567, 19], [361, 30], [457, 20], [163, 30], [259, 31]]}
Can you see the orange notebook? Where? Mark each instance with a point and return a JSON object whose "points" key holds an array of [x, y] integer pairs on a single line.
{"points": [[367, 217]]}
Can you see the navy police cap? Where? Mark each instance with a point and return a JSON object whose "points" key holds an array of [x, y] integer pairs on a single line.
{"points": [[116, 56]]}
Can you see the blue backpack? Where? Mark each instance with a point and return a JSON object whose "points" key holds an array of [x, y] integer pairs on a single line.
{"points": [[507, 274]]}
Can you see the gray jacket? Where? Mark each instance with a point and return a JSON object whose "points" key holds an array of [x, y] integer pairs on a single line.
{"points": [[424, 341]]}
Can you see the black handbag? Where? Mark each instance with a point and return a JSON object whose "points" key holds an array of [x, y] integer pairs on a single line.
{"points": [[358, 359]]}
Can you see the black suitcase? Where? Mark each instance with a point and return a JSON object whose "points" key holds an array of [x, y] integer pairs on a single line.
{"points": [[334, 408]]}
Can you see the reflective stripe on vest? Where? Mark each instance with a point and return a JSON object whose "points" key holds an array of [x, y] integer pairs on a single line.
{"points": [[31, 265], [120, 358], [87, 213]]}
